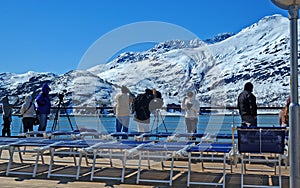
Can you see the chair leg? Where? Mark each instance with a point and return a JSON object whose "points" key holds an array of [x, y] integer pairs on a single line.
{"points": [[189, 169], [123, 168], [171, 170], [224, 171], [35, 165], [11, 156], [51, 162], [279, 171], [139, 168], [79, 165], [93, 166], [242, 171]]}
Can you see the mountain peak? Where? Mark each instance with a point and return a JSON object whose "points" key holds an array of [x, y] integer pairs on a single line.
{"points": [[215, 69], [272, 18], [177, 44], [218, 38]]}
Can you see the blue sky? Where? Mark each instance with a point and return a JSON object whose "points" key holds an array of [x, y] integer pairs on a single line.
{"points": [[53, 35]]}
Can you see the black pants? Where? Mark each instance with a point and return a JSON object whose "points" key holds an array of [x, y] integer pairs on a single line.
{"points": [[28, 124], [248, 120], [191, 125], [6, 126]]}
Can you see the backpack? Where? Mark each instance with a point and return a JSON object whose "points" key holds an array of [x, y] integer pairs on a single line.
{"points": [[138, 102]]}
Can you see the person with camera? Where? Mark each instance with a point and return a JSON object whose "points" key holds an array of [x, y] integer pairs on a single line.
{"points": [[191, 106], [27, 112], [43, 106]]}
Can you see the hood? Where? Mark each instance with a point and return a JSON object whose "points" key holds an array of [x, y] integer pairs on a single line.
{"points": [[46, 89]]}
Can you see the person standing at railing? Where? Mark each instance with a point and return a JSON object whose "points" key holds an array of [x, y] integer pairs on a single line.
{"points": [[191, 106], [247, 106], [28, 113], [7, 116], [43, 106], [284, 114], [124, 100], [142, 111]]}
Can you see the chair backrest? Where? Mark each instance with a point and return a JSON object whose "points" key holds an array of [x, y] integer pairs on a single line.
{"points": [[261, 140]]}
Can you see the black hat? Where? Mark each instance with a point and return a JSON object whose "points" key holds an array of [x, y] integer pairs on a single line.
{"points": [[248, 87], [148, 91]]}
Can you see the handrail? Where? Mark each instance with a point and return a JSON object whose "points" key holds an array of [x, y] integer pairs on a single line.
{"points": [[208, 122], [202, 109]]}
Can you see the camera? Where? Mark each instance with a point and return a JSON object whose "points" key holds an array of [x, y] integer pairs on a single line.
{"points": [[156, 104], [189, 105], [61, 95]]}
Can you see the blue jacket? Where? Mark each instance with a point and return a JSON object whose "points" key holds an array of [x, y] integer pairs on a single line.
{"points": [[43, 100]]}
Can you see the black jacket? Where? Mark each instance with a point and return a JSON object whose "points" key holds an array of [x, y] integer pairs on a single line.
{"points": [[141, 108], [247, 104]]}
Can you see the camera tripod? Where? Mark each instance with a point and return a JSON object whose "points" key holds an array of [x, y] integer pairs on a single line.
{"points": [[55, 122], [157, 116]]}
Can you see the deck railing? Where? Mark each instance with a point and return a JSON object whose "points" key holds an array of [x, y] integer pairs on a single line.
{"points": [[101, 119]]}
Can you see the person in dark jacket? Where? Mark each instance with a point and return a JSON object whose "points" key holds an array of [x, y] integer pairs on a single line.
{"points": [[43, 106], [247, 106], [7, 116], [142, 111]]}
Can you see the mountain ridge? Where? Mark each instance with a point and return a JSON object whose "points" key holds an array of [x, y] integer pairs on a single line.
{"points": [[214, 69]]}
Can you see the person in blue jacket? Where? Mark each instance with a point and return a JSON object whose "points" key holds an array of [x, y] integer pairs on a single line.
{"points": [[43, 106]]}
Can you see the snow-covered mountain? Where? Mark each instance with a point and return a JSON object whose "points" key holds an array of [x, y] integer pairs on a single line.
{"points": [[219, 38], [215, 69]]}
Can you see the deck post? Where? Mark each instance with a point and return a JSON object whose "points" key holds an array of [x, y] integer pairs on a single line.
{"points": [[294, 120]]}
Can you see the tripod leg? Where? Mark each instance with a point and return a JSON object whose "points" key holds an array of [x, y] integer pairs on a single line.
{"points": [[157, 121], [163, 122], [55, 122], [69, 119], [154, 120]]}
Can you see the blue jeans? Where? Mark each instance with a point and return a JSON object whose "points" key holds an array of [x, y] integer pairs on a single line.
{"points": [[122, 124], [43, 122]]}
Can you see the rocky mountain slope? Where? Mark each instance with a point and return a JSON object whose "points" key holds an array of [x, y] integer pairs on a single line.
{"points": [[215, 69]]}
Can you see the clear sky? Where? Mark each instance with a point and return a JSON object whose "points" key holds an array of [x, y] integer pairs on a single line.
{"points": [[53, 35]]}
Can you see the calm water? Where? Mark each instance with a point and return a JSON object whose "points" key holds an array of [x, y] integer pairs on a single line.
{"points": [[207, 123]]}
